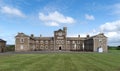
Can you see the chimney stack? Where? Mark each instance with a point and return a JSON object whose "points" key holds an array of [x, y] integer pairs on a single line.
{"points": [[65, 29], [79, 36], [32, 35], [88, 36], [40, 35]]}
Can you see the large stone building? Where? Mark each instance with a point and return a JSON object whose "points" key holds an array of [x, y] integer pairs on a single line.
{"points": [[60, 42], [2, 45]]}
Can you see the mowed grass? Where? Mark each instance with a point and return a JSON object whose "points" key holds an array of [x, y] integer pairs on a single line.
{"points": [[61, 62]]}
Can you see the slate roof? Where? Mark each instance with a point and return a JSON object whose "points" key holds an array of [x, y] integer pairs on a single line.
{"points": [[21, 34], [43, 38], [97, 35], [76, 38], [52, 38], [1, 40]]}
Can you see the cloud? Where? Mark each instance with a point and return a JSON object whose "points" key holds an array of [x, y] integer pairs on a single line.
{"points": [[55, 18], [112, 31], [9, 38], [52, 24], [113, 38], [12, 11], [110, 26], [89, 17]]}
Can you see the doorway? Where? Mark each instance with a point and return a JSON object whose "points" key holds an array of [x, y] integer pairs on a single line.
{"points": [[2, 50], [60, 48]]}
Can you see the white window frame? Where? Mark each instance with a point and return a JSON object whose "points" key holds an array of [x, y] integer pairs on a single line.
{"points": [[22, 40]]}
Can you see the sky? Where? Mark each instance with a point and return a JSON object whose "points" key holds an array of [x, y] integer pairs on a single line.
{"points": [[81, 17]]}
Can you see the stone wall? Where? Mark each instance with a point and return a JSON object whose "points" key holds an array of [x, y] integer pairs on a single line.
{"points": [[60, 41], [2, 46]]}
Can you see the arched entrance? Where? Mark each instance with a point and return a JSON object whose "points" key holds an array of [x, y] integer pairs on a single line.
{"points": [[60, 48], [99, 49]]}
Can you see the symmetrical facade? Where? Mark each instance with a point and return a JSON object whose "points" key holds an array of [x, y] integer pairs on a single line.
{"points": [[2, 45], [60, 42]]}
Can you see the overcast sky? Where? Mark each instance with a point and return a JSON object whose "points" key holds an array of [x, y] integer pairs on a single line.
{"points": [[45, 16]]}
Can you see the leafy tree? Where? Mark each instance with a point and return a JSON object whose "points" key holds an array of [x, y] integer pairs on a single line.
{"points": [[118, 48]]}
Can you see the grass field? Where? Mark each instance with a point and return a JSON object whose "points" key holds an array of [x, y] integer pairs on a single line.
{"points": [[61, 62]]}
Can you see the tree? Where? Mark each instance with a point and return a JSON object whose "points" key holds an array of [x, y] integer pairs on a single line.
{"points": [[118, 48]]}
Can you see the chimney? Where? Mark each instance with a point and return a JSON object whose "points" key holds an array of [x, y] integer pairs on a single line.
{"points": [[32, 35], [101, 33], [18, 33], [65, 29], [79, 36], [88, 36], [40, 35]]}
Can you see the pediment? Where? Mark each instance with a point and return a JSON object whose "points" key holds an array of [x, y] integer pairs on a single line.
{"points": [[100, 36]]}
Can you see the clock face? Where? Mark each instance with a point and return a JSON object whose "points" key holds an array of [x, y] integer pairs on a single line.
{"points": [[60, 33]]}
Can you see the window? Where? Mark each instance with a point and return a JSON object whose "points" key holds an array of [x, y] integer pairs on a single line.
{"points": [[46, 47], [41, 46], [46, 42], [41, 42], [21, 40], [75, 45], [68, 42], [60, 41], [37, 41], [73, 42]]}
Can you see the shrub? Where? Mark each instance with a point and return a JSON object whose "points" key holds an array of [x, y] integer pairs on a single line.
{"points": [[112, 48], [10, 48], [118, 48]]}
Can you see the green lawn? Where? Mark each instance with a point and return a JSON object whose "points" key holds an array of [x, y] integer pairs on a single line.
{"points": [[61, 62]]}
